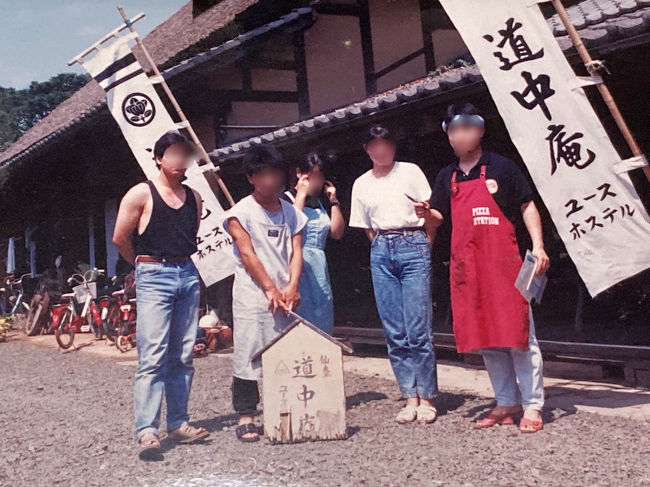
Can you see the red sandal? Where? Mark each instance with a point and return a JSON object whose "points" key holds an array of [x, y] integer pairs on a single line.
{"points": [[506, 418], [530, 426]]}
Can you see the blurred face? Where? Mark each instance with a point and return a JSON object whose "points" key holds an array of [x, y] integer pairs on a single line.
{"points": [[268, 182], [316, 180], [381, 151], [175, 160], [464, 138]]}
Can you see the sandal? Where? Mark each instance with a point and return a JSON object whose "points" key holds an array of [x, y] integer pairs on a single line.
{"points": [[186, 434], [149, 446], [407, 414], [246, 429], [530, 425], [426, 414], [505, 419]]}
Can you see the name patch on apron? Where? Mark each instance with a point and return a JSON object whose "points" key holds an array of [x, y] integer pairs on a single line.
{"points": [[274, 233]]}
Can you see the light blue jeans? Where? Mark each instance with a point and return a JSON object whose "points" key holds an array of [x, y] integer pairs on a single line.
{"points": [[401, 277], [516, 375], [168, 314]]}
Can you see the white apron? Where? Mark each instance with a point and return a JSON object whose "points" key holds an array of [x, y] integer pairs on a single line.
{"points": [[254, 326]]}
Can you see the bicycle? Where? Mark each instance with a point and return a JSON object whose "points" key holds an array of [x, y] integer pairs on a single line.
{"points": [[113, 314], [125, 339], [71, 317], [47, 294], [12, 298]]}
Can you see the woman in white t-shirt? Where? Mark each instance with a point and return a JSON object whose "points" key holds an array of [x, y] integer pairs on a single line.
{"points": [[383, 204]]}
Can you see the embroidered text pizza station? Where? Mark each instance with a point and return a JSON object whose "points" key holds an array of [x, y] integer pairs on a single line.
{"points": [[482, 216]]}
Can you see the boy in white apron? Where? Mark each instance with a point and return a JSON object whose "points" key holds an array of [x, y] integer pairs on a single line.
{"points": [[268, 249]]}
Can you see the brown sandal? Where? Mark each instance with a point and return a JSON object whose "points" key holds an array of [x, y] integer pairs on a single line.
{"points": [[186, 434], [505, 419], [530, 425]]}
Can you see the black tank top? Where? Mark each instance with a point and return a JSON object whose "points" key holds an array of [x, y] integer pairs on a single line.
{"points": [[170, 232]]}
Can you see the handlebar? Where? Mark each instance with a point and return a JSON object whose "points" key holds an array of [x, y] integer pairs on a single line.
{"points": [[12, 282], [89, 276]]}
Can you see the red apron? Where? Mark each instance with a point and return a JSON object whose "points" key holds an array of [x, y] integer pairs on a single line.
{"points": [[488, 311]]}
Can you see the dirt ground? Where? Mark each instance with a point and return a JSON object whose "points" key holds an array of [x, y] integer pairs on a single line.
{"points": [[67, 420]]}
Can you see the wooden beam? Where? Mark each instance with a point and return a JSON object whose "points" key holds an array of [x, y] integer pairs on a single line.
{"points": [[571, 350], [398, 63], [300, 58], [262, 95], [246, 79], [427, 41], [366, 47]]}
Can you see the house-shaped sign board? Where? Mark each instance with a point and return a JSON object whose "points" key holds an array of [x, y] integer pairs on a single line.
{"points": [[303, 391]]}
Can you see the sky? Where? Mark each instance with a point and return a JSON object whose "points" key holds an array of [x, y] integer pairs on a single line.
{"points": [[39, 37]]}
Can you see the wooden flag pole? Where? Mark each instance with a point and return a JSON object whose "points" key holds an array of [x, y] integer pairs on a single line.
{"points": [[176, 106], [593, 68], [107, 37]]}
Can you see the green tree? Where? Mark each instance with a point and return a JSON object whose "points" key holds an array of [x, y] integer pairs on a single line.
{"points": [[20, 110]]}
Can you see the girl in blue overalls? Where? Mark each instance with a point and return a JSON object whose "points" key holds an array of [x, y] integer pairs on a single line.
{"points": [[315, 196]]}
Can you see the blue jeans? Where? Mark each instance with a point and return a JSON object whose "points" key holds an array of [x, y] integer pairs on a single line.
{"points": [[401, 276], [168, 314], [516, 375]]}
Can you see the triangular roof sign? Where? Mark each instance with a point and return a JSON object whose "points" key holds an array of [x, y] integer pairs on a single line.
{"points": [[299, 319]]}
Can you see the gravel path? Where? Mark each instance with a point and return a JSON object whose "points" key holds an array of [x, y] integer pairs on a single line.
{"points": [[67, 420]]}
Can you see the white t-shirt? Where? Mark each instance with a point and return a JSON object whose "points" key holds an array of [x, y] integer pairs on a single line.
{"points": [[382, 204]]}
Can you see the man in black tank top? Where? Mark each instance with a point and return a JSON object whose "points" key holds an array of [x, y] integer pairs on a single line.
{"points": [[156, 232]]}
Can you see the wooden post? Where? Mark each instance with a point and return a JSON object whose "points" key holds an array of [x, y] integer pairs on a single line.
{"points": [[176, 106], [593, 68]]}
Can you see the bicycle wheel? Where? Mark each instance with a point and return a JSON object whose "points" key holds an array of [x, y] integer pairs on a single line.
{"points": [[112, 322], [123, 343], [65, 332], [37, 314]]}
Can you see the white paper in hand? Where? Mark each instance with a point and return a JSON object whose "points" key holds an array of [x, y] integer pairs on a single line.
{"points": [[530, 285]]}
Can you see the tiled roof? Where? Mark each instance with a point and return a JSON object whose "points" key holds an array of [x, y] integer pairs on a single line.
{"points": [[599, 22], [165, 42]]}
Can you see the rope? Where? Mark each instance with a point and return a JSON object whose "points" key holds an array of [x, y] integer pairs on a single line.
{"points": [[596, 65]]}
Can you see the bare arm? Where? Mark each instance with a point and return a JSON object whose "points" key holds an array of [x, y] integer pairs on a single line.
{"points": [[533, 224], [432, 219], [128, 217], [199, 208], [337, 223], [301, 192], [370, 233], [290, 293], [253, 264]]}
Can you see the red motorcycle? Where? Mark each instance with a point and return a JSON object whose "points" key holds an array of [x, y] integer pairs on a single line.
{"points": [[71, 316]]}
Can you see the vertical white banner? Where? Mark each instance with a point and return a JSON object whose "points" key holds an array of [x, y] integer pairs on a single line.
{"points": [[143, 119], [131, 99], [214, 256], [596, 211]]}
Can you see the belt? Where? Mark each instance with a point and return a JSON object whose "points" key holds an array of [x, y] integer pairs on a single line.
{"points": [[161, 259], [409, 231]]}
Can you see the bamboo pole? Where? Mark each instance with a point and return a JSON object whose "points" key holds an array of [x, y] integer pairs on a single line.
{"points": [[593, 68], [177, 107], [108, 36]]}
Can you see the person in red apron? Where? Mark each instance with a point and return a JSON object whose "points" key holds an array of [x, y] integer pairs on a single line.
{"points": [[482, 195]]}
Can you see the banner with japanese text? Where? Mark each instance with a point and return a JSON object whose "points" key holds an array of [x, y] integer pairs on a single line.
{"points": [[596, 211], [214, 256], [143, 118]]}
